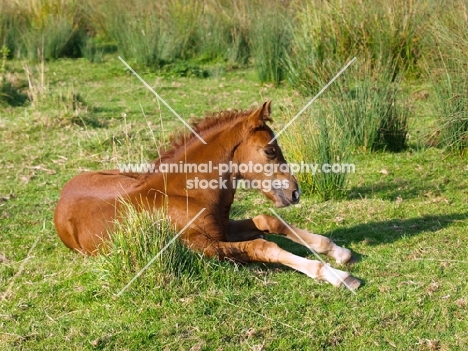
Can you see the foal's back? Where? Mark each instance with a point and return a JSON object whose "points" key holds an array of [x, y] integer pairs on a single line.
{"points": [[88, 206]]}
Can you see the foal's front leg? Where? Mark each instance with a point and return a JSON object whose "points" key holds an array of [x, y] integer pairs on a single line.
{"points": [[260, 250], [263, 224], [318, 243]]}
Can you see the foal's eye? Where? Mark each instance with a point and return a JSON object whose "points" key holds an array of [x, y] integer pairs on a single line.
{"points": [[270, 152]]}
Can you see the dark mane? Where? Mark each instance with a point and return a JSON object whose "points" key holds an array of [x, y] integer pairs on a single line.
{"points": [[211, 121]]}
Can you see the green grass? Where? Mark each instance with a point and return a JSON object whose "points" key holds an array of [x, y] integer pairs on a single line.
{"points": [[137, 244], [447, 71], [319, 141], [369, 110], [403, 214], [300, 41]]}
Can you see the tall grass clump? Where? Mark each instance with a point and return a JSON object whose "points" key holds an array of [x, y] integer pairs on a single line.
{"points": [[448, 71], [296, 143], [10, 92], [327, 34], [136, 29], [238, 32], [150, 33], [136, 239], [185, 17], [224, 31], [10, 22], [332, 147], [452, 111], [47, 28], [270, 39], [55, 37], [369, 109], [318, 139]]}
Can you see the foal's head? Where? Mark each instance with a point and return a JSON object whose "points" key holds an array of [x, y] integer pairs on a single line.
{"points": [[269, 171]]}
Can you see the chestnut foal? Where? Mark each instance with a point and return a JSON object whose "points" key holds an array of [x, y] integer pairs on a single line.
{"points": [[92, 201]]}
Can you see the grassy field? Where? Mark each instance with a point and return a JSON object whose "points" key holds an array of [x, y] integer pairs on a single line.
{"points": [[403, 214], [67, 104]]}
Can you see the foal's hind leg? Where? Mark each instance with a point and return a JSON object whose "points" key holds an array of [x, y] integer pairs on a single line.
{"points": [[264, 224], [260, 250]]}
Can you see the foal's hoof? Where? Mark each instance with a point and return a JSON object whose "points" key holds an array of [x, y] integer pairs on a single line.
{"points": [[341, 255], [351, 282]]}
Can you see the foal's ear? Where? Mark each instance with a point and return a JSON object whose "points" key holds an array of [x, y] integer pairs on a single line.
{"points": [[258, 118]]}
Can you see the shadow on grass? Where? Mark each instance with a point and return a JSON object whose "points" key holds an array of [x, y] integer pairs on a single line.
{"points": [[376, 233], [389, 190], [11, 95], [372, 233]]}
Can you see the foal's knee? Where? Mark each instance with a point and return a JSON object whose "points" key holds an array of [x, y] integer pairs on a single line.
{"points": [[264, 251], [267, 223]]}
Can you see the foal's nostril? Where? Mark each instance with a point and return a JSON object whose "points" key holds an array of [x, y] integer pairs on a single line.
{"points": [[295, 196]]}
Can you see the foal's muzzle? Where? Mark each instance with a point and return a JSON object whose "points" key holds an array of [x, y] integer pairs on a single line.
{"points": [[295, 196]]}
